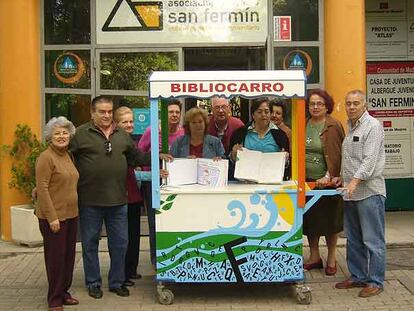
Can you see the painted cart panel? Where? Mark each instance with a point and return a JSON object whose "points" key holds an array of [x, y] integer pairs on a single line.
{"points": [[244, 233]]}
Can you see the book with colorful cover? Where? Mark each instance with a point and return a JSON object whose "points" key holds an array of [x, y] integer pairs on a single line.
{"points": [[197, 171]]}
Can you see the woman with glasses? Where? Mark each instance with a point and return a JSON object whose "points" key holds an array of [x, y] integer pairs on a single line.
{"points": [[324, 136], [261, 134], [57, 210]]}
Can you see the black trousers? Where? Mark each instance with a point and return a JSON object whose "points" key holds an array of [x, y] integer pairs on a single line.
{"points": [[147, 193], [59, 252], [134, 237]]}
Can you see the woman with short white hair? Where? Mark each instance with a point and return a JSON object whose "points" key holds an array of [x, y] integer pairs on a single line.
{"points": [[57, 210]]}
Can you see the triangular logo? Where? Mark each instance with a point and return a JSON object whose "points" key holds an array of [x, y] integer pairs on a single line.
{"points": [[297, 62], [128, 15], [68, 63]]}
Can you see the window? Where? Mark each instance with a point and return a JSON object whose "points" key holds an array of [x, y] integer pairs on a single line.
{"points": [[67, 22], [75, 107], [130, 71], [304, 48], [67, 69], [304, 15], [304, 58]]}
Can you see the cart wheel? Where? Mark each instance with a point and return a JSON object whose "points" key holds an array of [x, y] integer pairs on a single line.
{"points": [[303, 294], [304, 298], [166, 297]]}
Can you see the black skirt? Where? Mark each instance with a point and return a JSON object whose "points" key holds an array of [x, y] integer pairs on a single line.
{"points": [[325, 217]]}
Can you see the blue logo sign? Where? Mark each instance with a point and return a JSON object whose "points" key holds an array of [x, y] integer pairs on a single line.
{"points": [[68, 66], [297, 62], [141, 120]]}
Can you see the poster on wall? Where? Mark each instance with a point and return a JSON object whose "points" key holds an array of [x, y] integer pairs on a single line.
{"points": [[182, 22], [386, 39], [390, 96], [389, 29]]}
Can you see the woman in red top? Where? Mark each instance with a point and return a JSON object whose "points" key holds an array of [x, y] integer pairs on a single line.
{"points": [[196, 143]]}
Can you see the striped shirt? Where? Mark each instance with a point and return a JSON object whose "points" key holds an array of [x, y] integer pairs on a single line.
{"points": [[363, 157]]}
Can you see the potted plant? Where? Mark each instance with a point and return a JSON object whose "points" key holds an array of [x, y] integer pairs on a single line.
{"points": [[23, 152]]}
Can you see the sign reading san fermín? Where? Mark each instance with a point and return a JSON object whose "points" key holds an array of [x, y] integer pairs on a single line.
{"points": [[181, 21]]}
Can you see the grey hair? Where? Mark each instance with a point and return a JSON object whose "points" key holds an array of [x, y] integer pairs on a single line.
{"points": [[58, 122], [359, 93]]}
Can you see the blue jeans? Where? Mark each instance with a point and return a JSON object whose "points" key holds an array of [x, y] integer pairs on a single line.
{"points": [[116, 223], [364, 227]]}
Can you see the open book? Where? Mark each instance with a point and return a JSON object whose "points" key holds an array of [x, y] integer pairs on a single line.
{"points": [[197, 171], [263, 168]]}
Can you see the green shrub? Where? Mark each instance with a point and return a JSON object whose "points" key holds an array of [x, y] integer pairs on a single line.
{"points": [[24, 151]]}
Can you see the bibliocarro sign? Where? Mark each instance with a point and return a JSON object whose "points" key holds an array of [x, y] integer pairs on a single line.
{"points": [[181, 21]]}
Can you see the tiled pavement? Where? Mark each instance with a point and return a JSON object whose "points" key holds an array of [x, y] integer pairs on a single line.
{"points": [[23, 284]]}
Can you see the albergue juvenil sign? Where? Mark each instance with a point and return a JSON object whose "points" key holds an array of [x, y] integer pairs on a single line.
{"points": [[181, 21]]}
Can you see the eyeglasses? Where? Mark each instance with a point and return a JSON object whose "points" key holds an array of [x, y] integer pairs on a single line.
{"points": [[108, 147], [317, 104], [218, 108]]}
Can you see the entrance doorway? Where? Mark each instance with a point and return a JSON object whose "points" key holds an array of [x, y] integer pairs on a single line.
{"points": [[229, 58]]}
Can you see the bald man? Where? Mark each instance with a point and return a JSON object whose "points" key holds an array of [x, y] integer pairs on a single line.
{"points": [[222, 124]]}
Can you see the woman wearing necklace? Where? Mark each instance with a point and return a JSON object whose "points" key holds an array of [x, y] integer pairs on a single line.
{"points": [[260, 135], [324, 136]]}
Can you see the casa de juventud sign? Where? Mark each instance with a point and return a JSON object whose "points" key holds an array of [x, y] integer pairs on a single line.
{"points": [[181, 21], [390, 94]]}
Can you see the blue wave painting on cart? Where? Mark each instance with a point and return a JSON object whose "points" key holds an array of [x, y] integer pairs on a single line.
{"points": [[256, 238]]}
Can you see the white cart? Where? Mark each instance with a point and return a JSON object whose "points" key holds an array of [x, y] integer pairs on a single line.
{"points": [[246, 233]]}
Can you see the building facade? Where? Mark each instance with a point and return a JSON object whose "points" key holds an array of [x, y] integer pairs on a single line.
{"points": [[56, 55]]}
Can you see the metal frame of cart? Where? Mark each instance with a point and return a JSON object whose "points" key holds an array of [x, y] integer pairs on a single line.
{"points": [[237, 233]]}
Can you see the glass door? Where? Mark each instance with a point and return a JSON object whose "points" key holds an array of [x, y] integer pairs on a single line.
{"points": [[225, 58], [122, 74]]}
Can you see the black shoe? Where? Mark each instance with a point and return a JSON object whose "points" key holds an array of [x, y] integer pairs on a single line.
{"points": [[120, 291], [95, 292], [136, 276], [129, 283]]}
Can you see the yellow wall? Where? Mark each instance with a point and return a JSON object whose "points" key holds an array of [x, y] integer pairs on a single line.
{"points": [[344, 50], [19, 86]]}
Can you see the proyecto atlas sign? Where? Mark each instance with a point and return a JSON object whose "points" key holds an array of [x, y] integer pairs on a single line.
{"points": [[286, 83], [181, 21]]}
